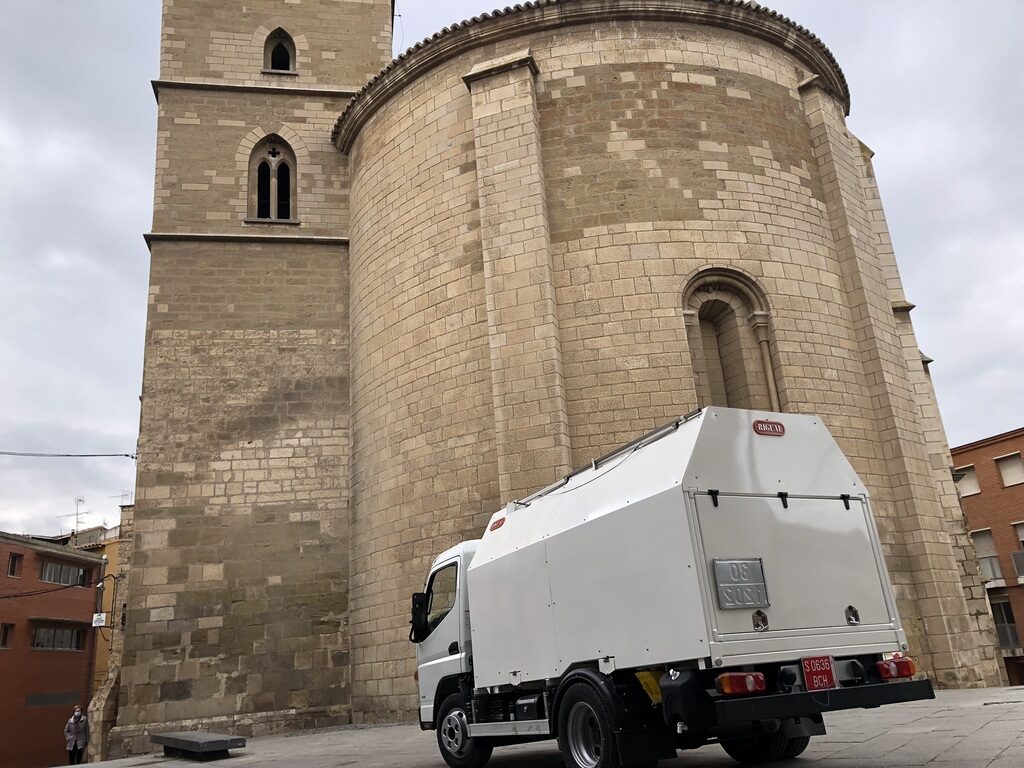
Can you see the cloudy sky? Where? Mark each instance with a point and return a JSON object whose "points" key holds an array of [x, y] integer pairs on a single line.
{"points": [[935, 94]]}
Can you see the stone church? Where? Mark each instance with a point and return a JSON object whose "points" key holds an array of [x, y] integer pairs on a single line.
{"points": [[387, 297]]}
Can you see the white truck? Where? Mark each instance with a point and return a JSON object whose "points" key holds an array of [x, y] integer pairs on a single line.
{"points": [[717, 580]]}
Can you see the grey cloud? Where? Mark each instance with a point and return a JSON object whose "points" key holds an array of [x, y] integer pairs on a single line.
{"points": [[934, 94]]}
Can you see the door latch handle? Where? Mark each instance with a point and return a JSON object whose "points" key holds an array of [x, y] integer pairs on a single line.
{"points": [[453, 648]]}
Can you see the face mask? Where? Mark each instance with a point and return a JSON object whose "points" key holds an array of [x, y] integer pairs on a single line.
{"points": [[78, 715]]}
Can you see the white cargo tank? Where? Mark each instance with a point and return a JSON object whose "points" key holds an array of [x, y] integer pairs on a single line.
{"points": [[733, 536]]}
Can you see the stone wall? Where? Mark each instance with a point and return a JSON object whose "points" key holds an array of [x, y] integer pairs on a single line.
{"points": [[423, 447], [665, 150], [501, 276], [204, 141], [339, 43], [238, 600]]}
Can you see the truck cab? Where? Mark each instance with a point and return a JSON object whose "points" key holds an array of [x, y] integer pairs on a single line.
{"points": [[444, 646]]}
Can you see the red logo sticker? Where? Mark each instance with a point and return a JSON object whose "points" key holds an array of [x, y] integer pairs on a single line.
{"points": [[497, 523], [772, 428]]}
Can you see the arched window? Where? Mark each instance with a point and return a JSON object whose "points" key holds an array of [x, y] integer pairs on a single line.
{"points": [[284, 191], [272, 184], [728, 333], [263, 191], [279, 52]]}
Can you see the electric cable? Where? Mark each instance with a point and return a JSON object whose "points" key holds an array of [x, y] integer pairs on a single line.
{"points": [[48, 590], [42, 591], [25, 454]]}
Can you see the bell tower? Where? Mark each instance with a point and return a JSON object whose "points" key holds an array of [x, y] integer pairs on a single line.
{"points": [[237, 611]]}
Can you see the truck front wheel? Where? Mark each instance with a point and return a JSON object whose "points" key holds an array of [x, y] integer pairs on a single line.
{"points": [[457, 748]]}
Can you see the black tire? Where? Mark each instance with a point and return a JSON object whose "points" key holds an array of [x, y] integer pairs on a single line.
{"points": [[795, 746], [457, 748], [765, 748], [585, 730]]}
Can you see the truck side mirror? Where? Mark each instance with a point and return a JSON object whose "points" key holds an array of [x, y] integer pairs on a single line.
{"points": [[420, 629]]}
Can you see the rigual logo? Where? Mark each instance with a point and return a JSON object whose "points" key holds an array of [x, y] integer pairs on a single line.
{"points": [[770, 428]]}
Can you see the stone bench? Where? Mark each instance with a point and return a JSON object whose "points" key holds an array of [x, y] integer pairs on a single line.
{"points": [[197, 745]]}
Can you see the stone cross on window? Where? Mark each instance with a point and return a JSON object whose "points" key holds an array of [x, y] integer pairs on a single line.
{"points": [[274, 151]]}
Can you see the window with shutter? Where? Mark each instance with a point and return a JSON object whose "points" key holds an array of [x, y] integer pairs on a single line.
{"points": [[988, 560], [1011, 468], [968, 482]]}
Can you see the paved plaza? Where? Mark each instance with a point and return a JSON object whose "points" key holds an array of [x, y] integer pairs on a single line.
{"points": [[972, 729]]}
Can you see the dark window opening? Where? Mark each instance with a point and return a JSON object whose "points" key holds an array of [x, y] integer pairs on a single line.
{"points": [[272, 181], [1006, 626], [14, 565], [280, 57], [284, 191], [6, 630], [64, 573], [263, 191], [53, 638], [279, 52]]}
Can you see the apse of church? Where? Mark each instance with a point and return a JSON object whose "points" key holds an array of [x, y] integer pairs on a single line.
{"points": [[385, 302]]}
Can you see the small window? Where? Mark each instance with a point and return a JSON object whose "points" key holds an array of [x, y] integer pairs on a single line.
{"points": [[14, 565], [1018, 556], [1011, 468], [284, 189], [6, 630], [279, 52], [55, 638], [988, 560], [54, 572], [441, 594], [272, 185], [263, 191], [968, 482], [1006, 626]]}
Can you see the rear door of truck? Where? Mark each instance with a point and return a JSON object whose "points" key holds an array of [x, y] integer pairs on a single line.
{"points": [[789, 577]]}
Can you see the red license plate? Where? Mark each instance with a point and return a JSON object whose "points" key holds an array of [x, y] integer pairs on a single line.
{"points": [[819, 673]]}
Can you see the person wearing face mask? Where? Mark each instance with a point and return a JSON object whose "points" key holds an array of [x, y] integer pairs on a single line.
{"points": [[76, 733]]}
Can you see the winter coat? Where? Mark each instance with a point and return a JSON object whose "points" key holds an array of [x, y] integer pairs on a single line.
{"points": [[76, 732]]}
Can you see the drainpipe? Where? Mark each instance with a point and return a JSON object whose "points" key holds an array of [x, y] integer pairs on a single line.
{"points": [[759, 322]]}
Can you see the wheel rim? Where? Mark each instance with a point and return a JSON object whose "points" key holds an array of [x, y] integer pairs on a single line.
{"points": [[455, 733], [584, 735]]}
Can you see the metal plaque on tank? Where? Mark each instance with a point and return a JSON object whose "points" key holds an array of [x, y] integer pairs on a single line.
{"points": [[740, 584]]}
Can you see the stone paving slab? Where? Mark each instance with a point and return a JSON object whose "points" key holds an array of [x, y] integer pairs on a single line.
{"points": [[959, 729]]}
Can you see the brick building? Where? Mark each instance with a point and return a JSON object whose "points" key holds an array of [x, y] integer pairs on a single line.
{"points": [[46, 646], [990, 480], [384, 302]]}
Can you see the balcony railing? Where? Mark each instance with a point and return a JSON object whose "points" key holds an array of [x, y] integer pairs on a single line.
{"points": [[1007, 634], [1018, 563]]}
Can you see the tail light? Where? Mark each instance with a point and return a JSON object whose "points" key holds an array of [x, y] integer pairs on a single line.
{"points": [[733, 683], [896, 667]]}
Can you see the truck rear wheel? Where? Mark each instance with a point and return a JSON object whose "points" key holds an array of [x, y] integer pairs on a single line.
{"points": [[764, 748], [795, 746], [585, 734], [457, 748]]}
